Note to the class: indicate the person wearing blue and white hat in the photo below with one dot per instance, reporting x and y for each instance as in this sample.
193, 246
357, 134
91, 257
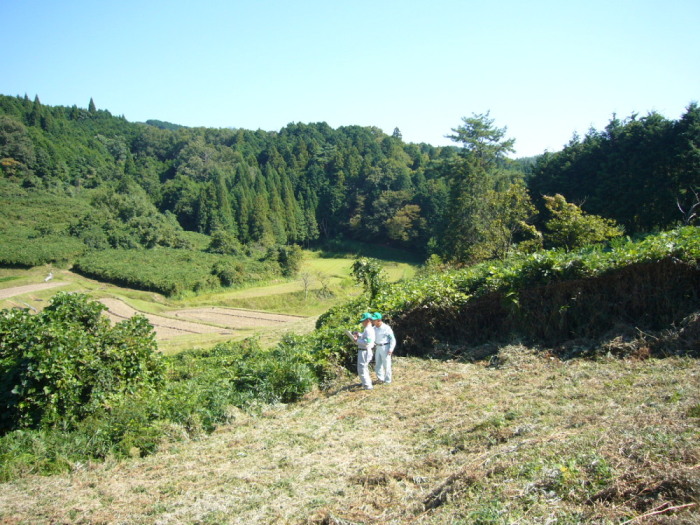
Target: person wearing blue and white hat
384, 345
365, 344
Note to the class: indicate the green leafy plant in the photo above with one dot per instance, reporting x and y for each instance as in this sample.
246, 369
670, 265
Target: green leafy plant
60, 365
368, 272
571, 228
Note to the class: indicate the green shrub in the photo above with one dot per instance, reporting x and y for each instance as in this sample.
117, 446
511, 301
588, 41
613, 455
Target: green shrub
224, 243
60, 365
197, 391
290, 259
571, 228
21, 250
229, 273
284, 373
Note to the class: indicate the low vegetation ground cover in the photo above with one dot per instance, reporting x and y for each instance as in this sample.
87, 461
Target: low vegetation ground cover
63, 229
534, 439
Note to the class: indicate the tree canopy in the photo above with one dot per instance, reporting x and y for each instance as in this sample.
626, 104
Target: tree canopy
310, 183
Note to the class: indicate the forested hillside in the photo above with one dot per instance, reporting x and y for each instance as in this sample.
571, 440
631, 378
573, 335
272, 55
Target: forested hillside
141, 185
638, 171
305, 183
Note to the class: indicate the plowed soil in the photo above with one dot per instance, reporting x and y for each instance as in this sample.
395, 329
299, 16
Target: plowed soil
164, 327
209, 320
198, 320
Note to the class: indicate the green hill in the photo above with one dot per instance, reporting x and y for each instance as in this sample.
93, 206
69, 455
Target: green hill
597, 429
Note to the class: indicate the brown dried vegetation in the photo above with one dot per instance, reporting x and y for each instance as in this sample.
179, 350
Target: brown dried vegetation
523, 438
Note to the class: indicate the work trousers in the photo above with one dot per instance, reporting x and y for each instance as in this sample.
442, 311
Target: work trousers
363, 359
382, 363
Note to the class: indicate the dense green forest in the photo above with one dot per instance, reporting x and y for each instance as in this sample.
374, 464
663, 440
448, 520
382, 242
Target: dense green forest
302, 184
155, 184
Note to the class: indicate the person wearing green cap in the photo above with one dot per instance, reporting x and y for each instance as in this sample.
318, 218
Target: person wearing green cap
365, 344
385, 344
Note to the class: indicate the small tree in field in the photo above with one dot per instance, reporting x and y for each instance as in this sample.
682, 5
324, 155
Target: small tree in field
368, 272
306, 279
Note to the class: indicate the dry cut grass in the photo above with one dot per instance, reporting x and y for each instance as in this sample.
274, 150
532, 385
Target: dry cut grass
525, 438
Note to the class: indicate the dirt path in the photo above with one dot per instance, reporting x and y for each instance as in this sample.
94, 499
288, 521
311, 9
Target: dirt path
28, 288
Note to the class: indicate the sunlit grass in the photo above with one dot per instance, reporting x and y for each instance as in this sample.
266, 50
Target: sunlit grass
533, 440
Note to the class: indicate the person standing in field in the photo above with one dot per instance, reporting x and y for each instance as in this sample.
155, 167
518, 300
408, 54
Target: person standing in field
365, 344
385, 344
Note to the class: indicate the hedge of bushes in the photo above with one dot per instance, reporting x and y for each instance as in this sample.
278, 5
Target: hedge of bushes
171, 271
545, 297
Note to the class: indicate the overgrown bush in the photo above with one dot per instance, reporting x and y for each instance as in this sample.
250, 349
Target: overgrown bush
61, 365
171, 271
290, 259
24, 252
569, 227
34, 224
107, 404
225, 243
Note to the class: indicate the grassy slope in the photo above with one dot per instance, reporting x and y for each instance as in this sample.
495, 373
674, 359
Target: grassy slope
536, 440
284, 296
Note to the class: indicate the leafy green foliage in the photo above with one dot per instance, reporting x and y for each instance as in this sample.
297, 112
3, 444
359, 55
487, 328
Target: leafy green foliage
64, 363
74, 387
172, 271
34, 224
570, 228
548, 295
23, 252
488, 206
636, 171
290, 259
307, 183
127, 219
225, 243
198, 390
368, 272
287, 187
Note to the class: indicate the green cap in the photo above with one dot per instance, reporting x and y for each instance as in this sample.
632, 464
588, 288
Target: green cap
366, 316
377, 316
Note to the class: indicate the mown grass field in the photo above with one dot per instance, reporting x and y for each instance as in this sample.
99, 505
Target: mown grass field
532, 440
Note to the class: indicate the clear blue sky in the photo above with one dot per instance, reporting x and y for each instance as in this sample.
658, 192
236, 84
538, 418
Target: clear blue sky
544, 69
